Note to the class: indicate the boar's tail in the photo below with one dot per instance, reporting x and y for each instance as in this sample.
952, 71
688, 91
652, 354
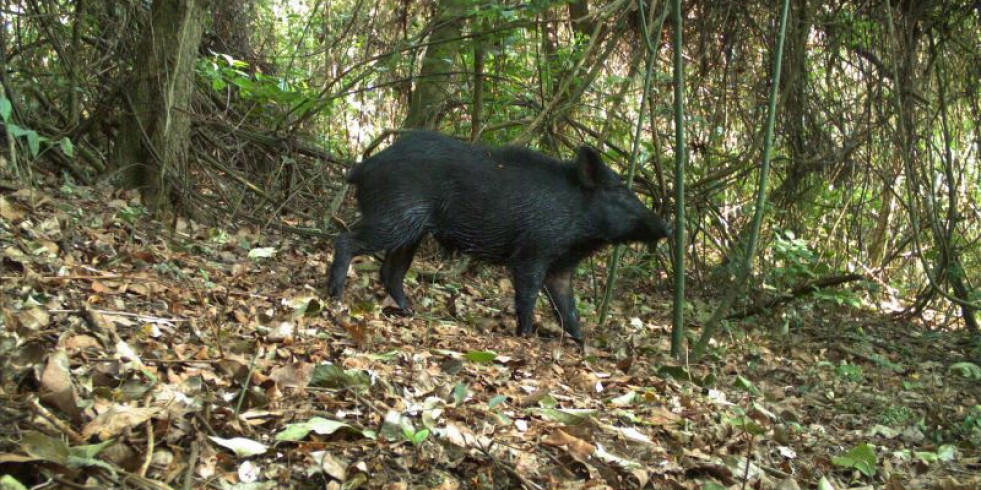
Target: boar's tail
354, 173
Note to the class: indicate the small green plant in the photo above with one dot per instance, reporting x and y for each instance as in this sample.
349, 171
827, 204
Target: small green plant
897, 415
131, 214
217, 236
169, 269
33, 139
849, 372
207, 279
971, 426
861, 458
796, 263
966, 370
416, 437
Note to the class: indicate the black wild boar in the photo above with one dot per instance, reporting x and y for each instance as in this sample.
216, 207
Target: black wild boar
537, 215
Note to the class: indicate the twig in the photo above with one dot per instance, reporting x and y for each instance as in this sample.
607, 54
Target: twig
526, 483
245, 385
46, 414
192, 461
149, 449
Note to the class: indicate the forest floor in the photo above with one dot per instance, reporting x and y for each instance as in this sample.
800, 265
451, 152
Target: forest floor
137, 356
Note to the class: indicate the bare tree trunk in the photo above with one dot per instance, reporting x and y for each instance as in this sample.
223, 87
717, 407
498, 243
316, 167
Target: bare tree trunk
430, 95
578, 11
151, 149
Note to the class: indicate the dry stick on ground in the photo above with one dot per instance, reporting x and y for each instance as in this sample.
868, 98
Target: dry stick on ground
57, 423
509, 469
802, 290
192, 462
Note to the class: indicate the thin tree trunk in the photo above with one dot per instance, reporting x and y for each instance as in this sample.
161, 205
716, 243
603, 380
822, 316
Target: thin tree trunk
476, 112
680, 157
73, 85
880, 236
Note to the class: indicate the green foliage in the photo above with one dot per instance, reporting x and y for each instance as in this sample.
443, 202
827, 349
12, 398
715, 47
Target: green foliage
334, 377
849, 372
794, 260
416, 437
460, 392
745, 423
5, 109
861, 458
30, 136
796, 263
224, 73
897, 415
966, 370
971, 426
944, 454
132, 214
481, 356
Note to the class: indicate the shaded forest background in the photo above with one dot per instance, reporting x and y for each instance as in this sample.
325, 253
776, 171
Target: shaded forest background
251, 110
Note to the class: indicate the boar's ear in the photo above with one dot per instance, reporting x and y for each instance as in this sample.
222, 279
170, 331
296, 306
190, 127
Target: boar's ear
590, 167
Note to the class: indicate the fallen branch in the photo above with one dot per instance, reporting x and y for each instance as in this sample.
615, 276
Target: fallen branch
803, 290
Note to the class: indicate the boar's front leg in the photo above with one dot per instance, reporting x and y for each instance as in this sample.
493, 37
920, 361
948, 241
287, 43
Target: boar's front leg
558, 286
528, 279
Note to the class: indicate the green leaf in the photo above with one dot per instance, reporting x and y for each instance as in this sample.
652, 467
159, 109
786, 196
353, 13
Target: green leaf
419, 437
947, 453
861, 458
624, 400
747, 424
385, 356
8, 482
41, 446
824, 484
241, 446
322, 426
966, 370
67, 147
90, 451
481, 356
459, 393
16, 131
5, 109
746, 385
497, 400
332, 376
33, 143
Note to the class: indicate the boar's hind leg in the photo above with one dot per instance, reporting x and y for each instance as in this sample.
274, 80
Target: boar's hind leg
345, 248
364, 238
558, 287
528, 280
393, 269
